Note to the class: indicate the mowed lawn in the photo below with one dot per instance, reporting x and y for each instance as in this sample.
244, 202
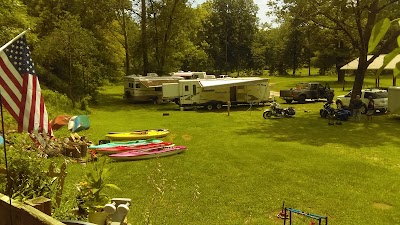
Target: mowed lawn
239, 169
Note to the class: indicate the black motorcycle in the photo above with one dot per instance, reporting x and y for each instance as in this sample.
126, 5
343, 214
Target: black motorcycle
327, 111
330, 113
277, 111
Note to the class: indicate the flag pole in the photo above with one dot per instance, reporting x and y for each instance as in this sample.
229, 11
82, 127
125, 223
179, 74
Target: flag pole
10, 42
9, 186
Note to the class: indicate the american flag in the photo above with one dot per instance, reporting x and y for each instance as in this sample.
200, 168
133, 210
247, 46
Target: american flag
20, 89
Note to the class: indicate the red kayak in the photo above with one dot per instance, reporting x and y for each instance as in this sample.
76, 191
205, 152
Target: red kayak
135, 148
160, 152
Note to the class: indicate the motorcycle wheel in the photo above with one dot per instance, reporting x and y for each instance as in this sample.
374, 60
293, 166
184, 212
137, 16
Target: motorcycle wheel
323, 113
267, 114
291, 111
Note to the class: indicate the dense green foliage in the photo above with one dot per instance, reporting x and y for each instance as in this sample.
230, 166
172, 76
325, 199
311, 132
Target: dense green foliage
80, 46
231, 48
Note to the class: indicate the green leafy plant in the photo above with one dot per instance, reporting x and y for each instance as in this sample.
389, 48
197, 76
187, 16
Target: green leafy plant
28, 178
90, 196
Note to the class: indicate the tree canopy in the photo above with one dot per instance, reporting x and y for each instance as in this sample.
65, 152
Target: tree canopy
79, 46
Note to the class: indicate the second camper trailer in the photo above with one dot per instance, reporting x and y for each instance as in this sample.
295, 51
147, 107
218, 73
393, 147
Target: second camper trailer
146, 88
214, 93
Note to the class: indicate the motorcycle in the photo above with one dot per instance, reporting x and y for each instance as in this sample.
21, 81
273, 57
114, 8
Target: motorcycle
330, 113
277, 111
327, 111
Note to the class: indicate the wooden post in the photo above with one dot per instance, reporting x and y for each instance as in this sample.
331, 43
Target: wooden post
394, 80
229, 107
60, 175
344, 82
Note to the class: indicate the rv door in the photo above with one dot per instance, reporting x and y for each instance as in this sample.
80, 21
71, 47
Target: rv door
189, 91
233, 94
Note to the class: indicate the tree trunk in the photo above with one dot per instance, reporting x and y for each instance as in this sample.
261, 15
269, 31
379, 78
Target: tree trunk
295, 57
339, 63
360, 74
144, 39
340, 74
125, 42
166, 38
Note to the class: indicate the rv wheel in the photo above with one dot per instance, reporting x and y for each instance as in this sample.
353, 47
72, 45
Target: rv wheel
209, 106
218, 106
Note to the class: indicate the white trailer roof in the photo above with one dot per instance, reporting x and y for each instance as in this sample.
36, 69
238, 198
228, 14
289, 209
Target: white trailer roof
151, 82
230, 82
375, 65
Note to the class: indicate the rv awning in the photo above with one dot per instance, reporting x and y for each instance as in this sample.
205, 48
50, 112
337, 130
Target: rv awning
157, 83
375, 65
230, 82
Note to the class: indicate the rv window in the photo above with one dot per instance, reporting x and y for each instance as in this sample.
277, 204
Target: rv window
138, 85
194, 89
130, 85
186, 88
158, 88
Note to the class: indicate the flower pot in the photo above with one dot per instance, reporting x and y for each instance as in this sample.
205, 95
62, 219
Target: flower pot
98, 217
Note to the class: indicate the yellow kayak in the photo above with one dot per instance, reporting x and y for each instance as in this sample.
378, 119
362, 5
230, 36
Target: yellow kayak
137, 135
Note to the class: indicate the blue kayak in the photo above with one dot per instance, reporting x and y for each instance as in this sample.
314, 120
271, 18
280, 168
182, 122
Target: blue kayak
78, 123
125, 143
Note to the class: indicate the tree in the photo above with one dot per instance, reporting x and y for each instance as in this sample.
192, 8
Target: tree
14, 19
230, 32
69, 56
94, 18
144, 38
294, 45
268, 49
355, 19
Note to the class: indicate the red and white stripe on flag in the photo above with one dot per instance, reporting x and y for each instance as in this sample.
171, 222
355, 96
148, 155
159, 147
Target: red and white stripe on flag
20, 89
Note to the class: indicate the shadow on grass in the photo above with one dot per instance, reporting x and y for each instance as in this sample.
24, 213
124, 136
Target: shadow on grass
237, 108
114, 102
310, 129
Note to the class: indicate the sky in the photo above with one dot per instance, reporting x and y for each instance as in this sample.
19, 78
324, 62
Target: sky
262, 9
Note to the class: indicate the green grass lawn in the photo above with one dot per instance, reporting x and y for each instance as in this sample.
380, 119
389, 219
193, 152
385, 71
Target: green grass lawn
238, 169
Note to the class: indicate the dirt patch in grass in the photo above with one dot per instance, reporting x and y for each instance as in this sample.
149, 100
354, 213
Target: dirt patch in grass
381, 205
171, 137
187, 137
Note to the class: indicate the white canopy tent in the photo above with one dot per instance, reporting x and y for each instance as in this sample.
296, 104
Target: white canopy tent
375, 65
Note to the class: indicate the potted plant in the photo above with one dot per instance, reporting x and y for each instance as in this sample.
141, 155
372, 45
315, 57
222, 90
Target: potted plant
90, 198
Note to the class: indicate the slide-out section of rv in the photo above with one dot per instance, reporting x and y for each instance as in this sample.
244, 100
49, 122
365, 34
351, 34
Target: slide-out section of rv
146, 88
394, 100
214, 93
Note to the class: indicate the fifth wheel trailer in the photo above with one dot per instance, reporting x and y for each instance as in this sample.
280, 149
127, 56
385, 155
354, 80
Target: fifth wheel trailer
213, 93
146, 88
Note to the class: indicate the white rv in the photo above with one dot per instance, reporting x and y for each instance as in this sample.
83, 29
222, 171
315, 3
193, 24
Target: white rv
394, 100
214, 93
146, 88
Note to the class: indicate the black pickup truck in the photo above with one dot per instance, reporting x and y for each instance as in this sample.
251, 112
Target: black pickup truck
304, 91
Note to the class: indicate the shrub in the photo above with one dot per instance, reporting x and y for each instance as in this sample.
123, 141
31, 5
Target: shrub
26, 170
